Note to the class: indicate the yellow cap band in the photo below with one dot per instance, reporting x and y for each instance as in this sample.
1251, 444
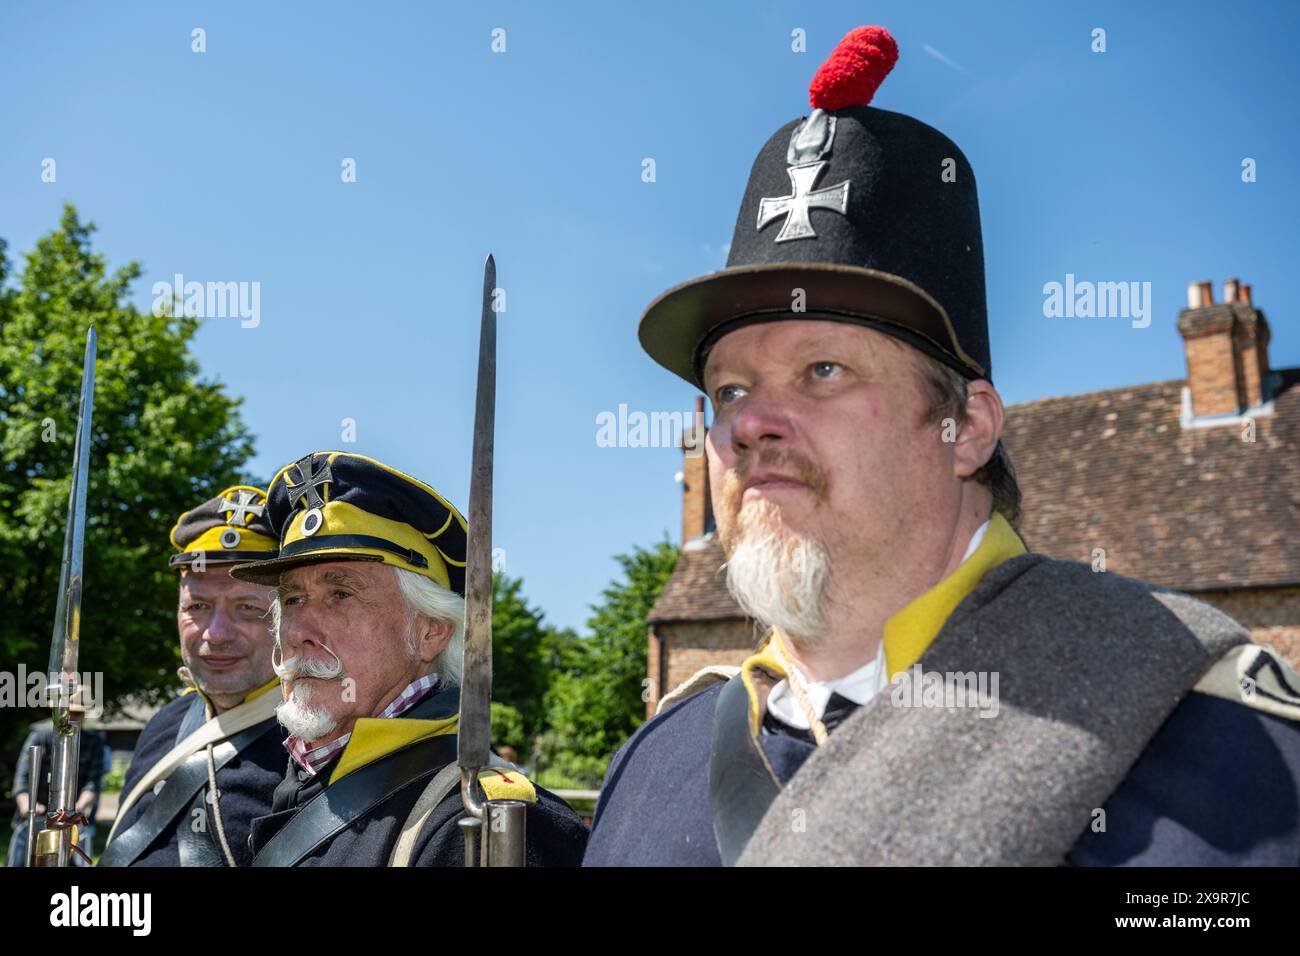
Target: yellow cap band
342, 518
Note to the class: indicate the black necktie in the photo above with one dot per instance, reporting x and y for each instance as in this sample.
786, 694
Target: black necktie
838, 709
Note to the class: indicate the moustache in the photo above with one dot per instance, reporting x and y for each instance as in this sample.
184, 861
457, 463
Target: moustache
787, 461
289, 670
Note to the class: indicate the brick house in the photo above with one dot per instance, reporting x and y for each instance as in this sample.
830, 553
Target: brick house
1191, 483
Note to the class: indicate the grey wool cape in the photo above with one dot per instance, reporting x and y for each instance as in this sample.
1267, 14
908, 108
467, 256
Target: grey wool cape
1090, 666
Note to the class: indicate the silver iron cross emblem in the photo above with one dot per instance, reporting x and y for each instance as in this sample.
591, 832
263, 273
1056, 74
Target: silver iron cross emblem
241, 508
797, 224
308, 484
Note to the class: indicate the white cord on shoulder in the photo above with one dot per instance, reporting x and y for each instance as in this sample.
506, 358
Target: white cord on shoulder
214, 796
795, 680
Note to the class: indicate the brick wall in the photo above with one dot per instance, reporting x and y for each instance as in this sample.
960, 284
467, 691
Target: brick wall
679, 650
1212, 374
697, 510
1226, 348
1272, 615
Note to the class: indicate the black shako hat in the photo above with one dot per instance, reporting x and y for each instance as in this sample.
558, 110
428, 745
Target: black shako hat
340, 506
851, 214
231, 528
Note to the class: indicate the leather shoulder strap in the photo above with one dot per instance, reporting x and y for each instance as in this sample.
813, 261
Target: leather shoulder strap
198, 846
195, 714
177, 793
224, 725
334, 808
742, 783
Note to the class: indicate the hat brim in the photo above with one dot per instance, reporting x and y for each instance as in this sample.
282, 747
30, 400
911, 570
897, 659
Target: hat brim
186, 559
268, 572
678, 323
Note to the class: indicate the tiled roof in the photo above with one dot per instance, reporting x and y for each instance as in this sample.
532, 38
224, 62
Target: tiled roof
1195, 509
697, 590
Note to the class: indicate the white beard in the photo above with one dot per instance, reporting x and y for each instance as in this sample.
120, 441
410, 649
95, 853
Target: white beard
777, 576
303, 721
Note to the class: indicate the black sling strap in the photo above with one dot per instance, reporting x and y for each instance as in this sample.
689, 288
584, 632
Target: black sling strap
182, 785
742, 784
197, 846
334, 808
195, 715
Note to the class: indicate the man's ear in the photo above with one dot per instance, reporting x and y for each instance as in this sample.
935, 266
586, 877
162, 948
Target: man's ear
435, 635
979, 436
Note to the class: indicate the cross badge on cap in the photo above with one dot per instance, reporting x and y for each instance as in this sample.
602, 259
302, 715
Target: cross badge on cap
810, 142
241, 508
798, 225
238, 510
309, 481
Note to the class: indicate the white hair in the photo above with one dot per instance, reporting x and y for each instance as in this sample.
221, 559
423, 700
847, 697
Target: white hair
421, 597
425, 597
778, 576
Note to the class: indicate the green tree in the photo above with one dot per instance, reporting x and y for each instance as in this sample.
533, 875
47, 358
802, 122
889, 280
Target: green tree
508, 729
163, 440
523, 657
597, 701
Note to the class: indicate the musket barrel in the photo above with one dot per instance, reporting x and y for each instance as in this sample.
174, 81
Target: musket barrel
36, 755
504, 833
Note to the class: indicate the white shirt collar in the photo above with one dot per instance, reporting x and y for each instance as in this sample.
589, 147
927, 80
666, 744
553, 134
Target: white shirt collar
858, 686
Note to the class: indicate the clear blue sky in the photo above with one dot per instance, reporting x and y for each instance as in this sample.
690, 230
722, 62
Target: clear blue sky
226, 166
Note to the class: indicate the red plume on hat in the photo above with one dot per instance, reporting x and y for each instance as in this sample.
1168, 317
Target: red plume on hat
854, 70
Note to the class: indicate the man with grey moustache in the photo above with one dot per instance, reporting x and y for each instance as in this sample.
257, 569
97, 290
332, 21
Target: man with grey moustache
867, 510
368, 619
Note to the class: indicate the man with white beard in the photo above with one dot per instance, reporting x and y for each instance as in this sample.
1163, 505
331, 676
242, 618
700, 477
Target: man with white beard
866, 507
368, 622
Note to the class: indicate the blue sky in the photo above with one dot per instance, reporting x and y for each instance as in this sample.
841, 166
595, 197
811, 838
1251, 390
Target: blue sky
225, 166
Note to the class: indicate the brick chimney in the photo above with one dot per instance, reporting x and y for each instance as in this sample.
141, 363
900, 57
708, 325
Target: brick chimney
1227, 350
697, 509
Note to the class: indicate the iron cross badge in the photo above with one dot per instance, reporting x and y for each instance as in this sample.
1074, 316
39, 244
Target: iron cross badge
305, 487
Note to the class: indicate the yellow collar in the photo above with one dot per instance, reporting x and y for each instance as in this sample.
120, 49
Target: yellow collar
272, 684
375, 737
908, 632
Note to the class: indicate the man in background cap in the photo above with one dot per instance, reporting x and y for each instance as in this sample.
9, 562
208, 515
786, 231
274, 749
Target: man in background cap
369, 619
928, 691
223, 726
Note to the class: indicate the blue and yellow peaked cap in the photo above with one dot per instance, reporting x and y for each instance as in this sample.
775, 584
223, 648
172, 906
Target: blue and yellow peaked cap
228, 529
338, 506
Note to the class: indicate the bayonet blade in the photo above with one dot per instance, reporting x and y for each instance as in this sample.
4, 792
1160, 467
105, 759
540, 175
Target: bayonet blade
474, 733
65, 641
